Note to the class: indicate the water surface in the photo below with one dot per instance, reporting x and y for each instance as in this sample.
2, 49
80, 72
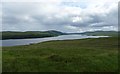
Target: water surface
16, 42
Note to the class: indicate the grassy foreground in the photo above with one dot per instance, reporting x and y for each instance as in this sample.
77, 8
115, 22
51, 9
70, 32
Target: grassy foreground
85, 55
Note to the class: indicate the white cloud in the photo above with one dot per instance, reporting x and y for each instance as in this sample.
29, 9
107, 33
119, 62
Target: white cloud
67, 16
77, 19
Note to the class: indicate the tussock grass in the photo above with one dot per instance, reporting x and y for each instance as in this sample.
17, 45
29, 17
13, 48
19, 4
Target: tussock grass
84, 55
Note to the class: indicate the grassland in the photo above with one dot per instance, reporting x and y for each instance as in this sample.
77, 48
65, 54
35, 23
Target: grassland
85, 55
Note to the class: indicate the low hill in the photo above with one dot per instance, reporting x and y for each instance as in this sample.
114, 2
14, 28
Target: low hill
50, 33
100, 33
104, 33
29, 34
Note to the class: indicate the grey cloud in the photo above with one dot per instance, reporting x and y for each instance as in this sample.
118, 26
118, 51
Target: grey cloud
14, 18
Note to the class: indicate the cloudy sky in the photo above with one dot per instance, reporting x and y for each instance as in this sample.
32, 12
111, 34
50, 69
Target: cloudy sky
61, 15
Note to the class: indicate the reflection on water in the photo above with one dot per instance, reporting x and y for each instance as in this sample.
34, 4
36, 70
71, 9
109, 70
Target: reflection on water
15, 42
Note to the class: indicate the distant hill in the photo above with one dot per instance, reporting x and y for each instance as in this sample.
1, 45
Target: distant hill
103, 33
100, 33
29, 34
55, 32
50, 33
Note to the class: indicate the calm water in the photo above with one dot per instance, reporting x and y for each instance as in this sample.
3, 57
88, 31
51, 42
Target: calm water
16, 42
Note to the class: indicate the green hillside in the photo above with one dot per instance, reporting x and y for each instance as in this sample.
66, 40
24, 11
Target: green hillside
103, 33
29, 34
51, 33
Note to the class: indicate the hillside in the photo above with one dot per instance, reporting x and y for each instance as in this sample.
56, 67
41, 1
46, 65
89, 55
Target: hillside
29, 34
51, 33
100, 33
104, 33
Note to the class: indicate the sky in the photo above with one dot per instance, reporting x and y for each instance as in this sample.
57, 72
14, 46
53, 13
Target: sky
61, 15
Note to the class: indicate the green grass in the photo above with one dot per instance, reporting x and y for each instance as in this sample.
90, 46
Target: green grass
85, 55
